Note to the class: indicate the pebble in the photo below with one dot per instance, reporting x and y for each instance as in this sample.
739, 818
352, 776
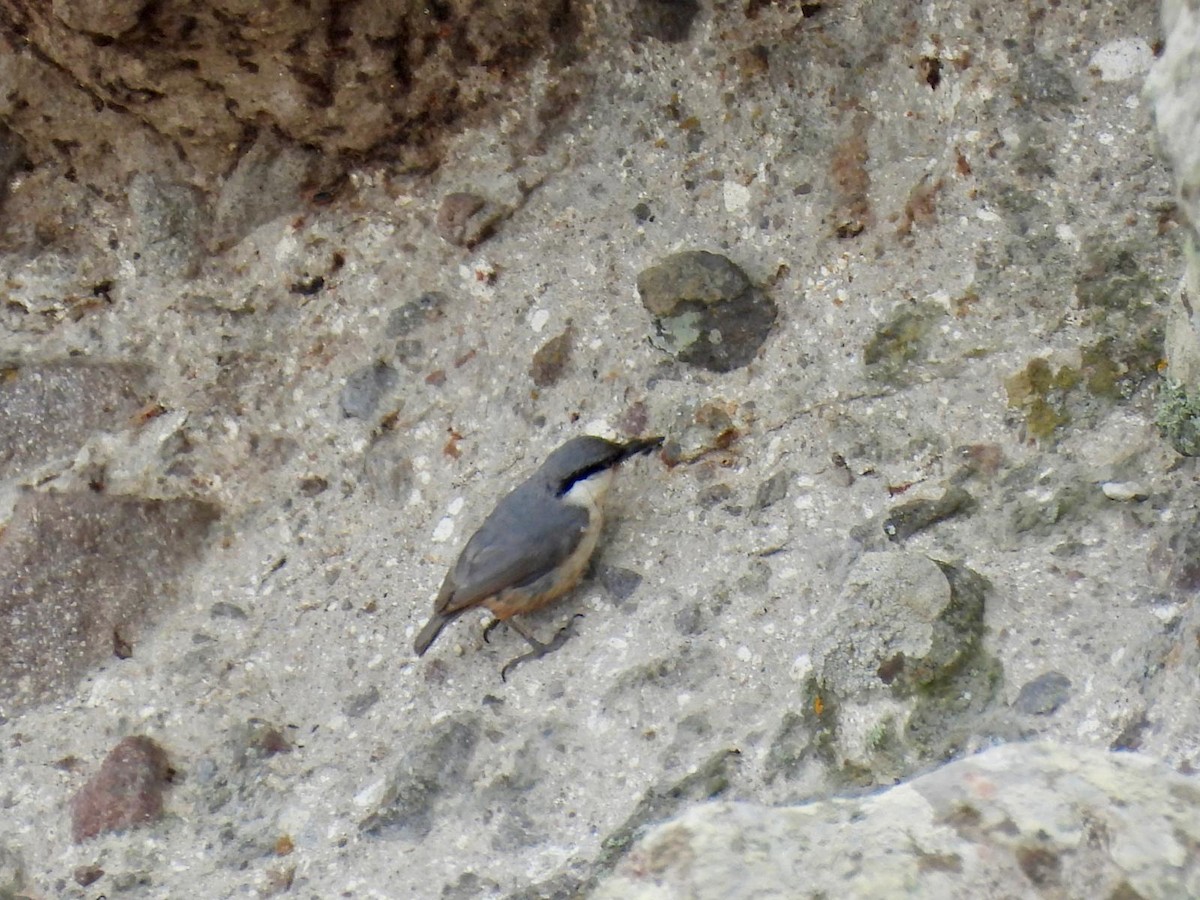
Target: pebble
707, 313
1124, 491
125, 793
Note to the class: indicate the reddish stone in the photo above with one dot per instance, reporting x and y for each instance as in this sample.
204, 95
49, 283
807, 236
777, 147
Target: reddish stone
85, 875
126, 792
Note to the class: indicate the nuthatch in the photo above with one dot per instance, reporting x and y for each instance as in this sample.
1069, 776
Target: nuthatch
535, 545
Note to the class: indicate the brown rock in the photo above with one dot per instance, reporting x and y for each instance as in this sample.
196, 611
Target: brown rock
852, 214
550, 361
204, 78
466, 219
126, 792
85, 875
107, 17
74, 569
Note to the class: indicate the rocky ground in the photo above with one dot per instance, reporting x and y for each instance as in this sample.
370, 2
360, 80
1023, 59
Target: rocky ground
899, 284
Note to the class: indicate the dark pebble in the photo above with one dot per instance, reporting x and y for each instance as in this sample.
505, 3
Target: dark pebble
707, 313
772, 490
551, 359
415, 313
365, 388
465, 219
909, 518
1044, 694
358, 704
85, 875
620, 583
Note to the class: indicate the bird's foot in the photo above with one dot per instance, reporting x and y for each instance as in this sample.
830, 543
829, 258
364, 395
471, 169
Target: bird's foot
539, 649
488, 629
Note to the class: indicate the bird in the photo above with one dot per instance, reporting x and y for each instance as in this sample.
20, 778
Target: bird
534, 547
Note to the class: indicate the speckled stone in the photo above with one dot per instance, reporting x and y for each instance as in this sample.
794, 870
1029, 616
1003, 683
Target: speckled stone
1022, 820
77, 570
707, 313
49, 409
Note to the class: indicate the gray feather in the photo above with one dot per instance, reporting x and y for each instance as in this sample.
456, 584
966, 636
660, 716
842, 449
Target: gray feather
525, 538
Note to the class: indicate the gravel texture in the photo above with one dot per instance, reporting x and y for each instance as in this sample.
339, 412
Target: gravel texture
939, 500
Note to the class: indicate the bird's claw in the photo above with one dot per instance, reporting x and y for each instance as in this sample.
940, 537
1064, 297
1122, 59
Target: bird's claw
539, 649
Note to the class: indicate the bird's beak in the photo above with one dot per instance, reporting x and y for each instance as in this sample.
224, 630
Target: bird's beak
639, 445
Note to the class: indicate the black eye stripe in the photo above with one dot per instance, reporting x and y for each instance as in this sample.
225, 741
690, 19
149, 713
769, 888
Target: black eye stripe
617, 453
575, 477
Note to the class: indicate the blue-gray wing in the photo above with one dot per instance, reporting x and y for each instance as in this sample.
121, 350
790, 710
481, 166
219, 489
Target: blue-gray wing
516, 545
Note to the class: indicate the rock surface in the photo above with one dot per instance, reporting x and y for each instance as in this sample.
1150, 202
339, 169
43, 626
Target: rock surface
948, 482
1025, 820
897, 660
48, 410
81, 576
1174, 85
203, 78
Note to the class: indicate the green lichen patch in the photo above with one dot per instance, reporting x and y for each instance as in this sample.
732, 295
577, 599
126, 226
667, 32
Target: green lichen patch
1039, 392
1110, 370
948, 711
901, 340
1112, 279
1178, 416
1116, 365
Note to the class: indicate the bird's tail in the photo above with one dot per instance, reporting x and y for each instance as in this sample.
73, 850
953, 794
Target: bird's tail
429, 633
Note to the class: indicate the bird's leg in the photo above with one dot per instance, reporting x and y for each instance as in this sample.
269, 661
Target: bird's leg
539, 649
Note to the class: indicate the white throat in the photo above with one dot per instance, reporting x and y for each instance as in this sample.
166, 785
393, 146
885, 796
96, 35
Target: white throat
589, 492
